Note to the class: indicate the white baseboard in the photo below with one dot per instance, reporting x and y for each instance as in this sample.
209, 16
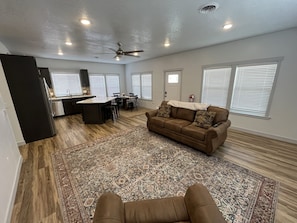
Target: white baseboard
21, 143
14, 190
280, 138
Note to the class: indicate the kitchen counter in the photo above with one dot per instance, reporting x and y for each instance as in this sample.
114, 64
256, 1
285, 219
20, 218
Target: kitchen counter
96, 100
70, 97
67, 105
94, 109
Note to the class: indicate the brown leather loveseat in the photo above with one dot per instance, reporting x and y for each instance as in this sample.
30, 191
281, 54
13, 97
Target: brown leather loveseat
181, 125
197, 206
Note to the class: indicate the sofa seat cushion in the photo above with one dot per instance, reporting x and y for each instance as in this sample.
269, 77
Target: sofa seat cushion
194, 131
159, 121
176, 124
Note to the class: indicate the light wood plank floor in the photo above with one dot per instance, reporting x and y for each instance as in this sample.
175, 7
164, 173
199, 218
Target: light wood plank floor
37, 197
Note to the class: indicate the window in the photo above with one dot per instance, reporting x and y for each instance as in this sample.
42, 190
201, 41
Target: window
97, 85
142, 85
242, 88
113, 84
173, 78
136, 84
104, 84
66, 84
216, 85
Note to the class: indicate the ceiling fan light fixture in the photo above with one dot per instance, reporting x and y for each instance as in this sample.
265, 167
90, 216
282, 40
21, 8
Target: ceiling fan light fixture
85, 22
117, 58
166, 44
208, 8
227, 26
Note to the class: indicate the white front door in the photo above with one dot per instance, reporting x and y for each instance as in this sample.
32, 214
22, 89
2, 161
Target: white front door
172, 85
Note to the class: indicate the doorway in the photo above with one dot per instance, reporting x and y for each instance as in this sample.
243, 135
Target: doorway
172, 87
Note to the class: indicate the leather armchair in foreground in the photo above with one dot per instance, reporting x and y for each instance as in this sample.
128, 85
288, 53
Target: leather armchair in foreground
196, 206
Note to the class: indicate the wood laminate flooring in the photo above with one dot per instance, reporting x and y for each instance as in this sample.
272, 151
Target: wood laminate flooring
37, 197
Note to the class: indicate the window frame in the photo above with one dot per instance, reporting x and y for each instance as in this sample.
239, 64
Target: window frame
141, 74
234, 66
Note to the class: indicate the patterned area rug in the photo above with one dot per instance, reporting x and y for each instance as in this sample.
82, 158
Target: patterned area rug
139, 164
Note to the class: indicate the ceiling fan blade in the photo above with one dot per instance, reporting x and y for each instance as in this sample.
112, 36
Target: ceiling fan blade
134, 51
131, 55
105, 53
113, 50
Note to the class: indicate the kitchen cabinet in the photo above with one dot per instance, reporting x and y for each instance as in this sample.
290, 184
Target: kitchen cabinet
70, 106
84, 78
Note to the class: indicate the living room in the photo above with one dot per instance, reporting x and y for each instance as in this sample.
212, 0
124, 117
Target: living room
281, 124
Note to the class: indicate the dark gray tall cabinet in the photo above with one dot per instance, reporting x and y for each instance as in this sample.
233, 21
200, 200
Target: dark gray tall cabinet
29, 96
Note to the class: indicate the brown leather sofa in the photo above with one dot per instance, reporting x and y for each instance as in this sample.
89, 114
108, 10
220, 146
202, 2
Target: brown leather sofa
197, 206
179, 126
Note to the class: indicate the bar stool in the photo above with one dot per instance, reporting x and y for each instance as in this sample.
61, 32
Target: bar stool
111, 112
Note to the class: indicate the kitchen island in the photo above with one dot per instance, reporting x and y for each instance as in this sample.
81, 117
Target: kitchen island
94, 109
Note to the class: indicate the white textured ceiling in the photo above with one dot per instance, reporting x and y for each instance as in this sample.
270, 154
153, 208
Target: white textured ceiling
41, 27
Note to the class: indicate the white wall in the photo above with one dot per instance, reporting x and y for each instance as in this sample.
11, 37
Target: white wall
92, 67
10, 163
4, 91
283, 120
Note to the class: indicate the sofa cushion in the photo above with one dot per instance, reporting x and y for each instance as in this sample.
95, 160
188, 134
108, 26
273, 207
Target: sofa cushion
221, 114
195, 132
176, 124
204, 119
159, 121
164, 111
183, 113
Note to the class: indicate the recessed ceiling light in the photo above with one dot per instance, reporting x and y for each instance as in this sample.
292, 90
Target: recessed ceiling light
60, 53
85, 22
68, 43
228, 26
167, 44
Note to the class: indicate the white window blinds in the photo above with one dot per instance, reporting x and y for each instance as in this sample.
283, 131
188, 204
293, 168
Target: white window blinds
113, 84
104, 84
142, 85
146, 83
216, 86
136, 84
252, 89
97, 85
66, 84
243, 88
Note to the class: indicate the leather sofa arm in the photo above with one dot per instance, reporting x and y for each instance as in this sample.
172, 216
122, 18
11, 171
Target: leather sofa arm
160, 210
151, 114
214, 132
109, 209
201, 207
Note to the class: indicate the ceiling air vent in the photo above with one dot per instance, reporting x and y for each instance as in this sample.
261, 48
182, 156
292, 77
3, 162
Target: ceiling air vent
209, 8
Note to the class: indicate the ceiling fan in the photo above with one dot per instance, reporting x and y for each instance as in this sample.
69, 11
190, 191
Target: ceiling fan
120, 52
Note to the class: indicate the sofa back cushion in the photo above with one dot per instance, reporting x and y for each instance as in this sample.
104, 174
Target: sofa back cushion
221, 114
183, 113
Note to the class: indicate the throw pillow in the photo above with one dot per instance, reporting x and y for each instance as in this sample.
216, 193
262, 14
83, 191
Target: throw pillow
204, 119
164, 111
